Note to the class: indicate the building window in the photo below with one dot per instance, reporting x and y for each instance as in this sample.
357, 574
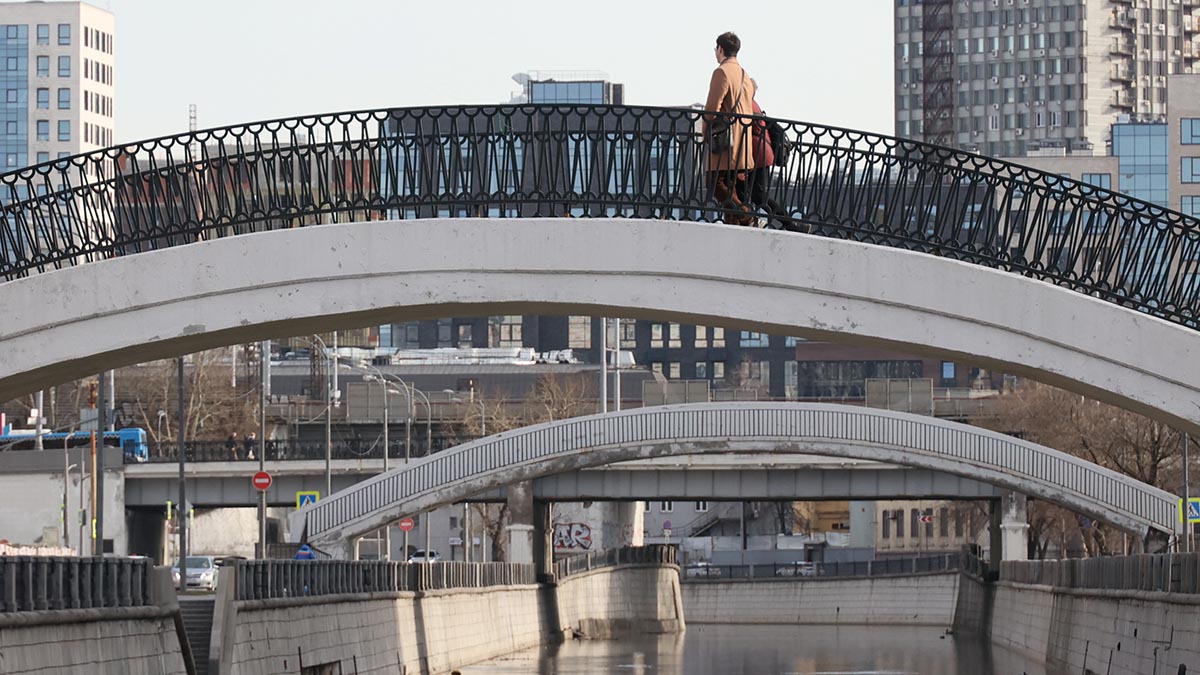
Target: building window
579, 332
645, 505
657, 367
673, 339
701, 337
928, 517
1100, 180
1190, 205
445, 332
701, 370
673, 370
718, 368
64, 33
755, 374
43, 130
628, 333
718, 338
12, 95
656, 336
914, 526
64, 99
43, 99
464, 335
64, 66
10, 159
943, 522
43, 157
506, 331
752, 339
666, 507
43, 66
947, 371
43, 34
1190, 171
885, 524
899, 516
10, 127
701, 507
406, 335
1189, 131
791, 380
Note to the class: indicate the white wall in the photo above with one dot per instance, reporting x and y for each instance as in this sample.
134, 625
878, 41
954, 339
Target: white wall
31, 504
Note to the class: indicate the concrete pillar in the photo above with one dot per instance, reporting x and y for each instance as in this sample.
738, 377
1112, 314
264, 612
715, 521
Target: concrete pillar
520, 529
1014, 526
543, 537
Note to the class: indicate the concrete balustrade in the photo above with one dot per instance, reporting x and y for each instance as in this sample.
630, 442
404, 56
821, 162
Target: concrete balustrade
30, 583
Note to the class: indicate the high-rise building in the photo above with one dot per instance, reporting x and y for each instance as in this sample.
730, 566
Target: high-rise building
58, 80
552, 86
1006, 77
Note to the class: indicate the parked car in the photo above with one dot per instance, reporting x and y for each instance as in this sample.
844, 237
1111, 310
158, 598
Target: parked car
702, 570
421, 556
797, 569
201, 572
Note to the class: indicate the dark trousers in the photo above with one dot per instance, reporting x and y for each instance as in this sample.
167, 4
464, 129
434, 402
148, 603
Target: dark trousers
756, 190
723, 189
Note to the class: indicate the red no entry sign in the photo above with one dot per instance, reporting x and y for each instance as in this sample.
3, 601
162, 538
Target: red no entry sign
406, 524
261, 481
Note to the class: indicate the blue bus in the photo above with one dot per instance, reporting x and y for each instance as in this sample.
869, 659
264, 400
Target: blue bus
132, 441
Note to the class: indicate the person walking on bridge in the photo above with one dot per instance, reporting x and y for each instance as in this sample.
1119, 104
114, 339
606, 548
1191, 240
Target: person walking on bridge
730, 91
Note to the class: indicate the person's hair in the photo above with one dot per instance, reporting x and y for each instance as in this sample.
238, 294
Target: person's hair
730, 43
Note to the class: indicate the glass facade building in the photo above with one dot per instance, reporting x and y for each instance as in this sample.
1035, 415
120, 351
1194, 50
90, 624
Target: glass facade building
14, 109
1141, 151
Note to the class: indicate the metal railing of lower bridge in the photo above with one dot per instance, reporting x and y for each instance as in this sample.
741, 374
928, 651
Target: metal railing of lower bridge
30, 583
806, 570
1163, 572
657, 554
272, 579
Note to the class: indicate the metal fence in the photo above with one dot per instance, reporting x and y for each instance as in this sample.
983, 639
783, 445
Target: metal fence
34, 583
656, 554
809, 570
595, 161
282, 450
1165, 572
270, 579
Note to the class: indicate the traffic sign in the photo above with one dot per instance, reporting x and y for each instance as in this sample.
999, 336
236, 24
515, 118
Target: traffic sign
261, 481
666, 531
926, 519
305, 498
1193, 511
406, 524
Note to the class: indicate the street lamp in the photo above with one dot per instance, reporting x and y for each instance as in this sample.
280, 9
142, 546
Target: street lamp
328, 419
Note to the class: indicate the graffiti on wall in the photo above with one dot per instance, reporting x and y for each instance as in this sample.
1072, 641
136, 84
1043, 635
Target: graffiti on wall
572, 536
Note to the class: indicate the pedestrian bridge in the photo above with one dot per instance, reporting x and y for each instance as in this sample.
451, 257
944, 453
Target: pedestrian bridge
311, 224
713, 428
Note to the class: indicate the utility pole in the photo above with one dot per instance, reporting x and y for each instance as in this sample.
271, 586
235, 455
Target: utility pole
1187, 496
101, 425
182, 511
264, 372
617, 367
603, 365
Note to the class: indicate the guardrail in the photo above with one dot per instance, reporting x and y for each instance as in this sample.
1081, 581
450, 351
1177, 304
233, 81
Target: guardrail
289, 450
271, 579
807, 570
29, 584
656, 554
1165, 572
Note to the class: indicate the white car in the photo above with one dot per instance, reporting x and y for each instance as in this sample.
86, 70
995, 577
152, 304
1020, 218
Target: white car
201, 572
702, 570
797, 569
421, 556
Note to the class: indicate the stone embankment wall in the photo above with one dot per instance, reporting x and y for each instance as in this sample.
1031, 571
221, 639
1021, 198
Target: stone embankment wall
1098, 631
914, 600
105, 640
436, 631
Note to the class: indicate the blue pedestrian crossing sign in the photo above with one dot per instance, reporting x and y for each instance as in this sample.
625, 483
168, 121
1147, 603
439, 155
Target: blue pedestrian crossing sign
1193, 511
305, 498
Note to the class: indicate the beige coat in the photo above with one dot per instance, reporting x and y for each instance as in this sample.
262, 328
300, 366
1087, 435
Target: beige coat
723, 90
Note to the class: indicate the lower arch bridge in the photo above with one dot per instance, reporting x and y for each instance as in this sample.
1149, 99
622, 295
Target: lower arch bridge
773, 428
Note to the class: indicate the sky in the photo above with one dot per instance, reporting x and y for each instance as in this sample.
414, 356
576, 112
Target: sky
826, 61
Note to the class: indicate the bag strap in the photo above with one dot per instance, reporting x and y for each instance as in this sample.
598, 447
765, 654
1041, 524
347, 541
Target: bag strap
741, 90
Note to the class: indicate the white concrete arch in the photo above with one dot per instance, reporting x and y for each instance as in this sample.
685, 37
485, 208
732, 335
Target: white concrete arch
719, 428
77, 321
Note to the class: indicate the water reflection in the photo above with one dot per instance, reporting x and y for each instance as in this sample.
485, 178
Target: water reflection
770, 650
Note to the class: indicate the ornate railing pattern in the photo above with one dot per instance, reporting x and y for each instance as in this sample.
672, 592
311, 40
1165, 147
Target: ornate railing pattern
592, 161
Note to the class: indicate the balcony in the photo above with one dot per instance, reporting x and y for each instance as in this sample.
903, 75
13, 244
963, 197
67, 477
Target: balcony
1121, 74
1121, 22
1121, 47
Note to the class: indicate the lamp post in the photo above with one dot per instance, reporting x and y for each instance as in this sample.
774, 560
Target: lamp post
328, 421
378, 377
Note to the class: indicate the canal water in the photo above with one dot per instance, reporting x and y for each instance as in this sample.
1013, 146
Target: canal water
770, 650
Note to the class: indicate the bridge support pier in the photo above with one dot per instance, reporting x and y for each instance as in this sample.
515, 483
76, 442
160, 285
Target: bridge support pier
529, 527
1014, 526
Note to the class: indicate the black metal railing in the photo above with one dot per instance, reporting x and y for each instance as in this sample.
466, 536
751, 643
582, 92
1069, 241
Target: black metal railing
808, 570
596, 161
281, 450
1164, 572
655, 554
270, 579
30, 583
